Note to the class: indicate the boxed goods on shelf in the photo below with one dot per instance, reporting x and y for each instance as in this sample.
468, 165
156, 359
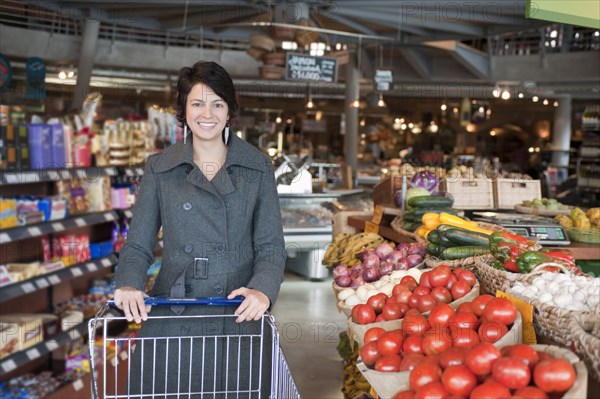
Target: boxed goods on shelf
8, 213
474, 193
511, 192
27, 328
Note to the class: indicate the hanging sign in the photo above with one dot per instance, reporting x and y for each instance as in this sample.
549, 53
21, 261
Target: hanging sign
384, 80
310, 68
35, 69
5, 71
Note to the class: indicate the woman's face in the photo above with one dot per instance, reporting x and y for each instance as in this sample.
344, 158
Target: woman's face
206, 113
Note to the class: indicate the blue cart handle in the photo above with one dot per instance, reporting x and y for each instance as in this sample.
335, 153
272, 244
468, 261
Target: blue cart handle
205, 301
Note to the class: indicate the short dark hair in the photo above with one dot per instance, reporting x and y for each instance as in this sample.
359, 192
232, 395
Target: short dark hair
211, 74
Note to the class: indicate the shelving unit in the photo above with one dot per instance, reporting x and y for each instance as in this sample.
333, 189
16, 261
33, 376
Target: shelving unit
52, 175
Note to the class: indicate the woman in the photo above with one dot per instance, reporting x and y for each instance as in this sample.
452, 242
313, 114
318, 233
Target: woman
215, 197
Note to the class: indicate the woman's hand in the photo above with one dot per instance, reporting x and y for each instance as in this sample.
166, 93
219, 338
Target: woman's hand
255, 304
131, 301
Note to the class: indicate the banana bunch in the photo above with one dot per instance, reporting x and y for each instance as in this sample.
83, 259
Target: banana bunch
345, 247
355, 383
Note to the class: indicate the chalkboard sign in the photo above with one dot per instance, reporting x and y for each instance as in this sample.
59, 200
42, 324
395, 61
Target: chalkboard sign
310, 68
384, 79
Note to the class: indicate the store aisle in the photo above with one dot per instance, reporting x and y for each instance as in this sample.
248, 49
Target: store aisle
309, 325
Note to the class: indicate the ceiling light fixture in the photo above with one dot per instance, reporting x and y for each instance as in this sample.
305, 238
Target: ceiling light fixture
381, 103
505, 95
535, 99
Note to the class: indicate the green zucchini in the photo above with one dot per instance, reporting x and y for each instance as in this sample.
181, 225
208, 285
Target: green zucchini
463, 252
429, 201
433, 237
411, 218
432, 249
465, 237
410, 226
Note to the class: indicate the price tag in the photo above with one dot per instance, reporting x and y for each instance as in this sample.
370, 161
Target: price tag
4, 238
32, 353
109, 216
30, 177
106, 262
526, 311
76, 272
123, 355
65, 174
58, 226
78, 385
41, 283
140, 172
9, 365
81, 173
128, 214
74, 334
371, 227
52, 345
34, 231
28, 287
80, 222
114, 361
111, 171
91, 267
54, 279
52, 175
11, 178
377, 214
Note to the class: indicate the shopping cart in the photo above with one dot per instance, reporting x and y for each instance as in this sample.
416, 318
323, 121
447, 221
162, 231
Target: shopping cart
189, 365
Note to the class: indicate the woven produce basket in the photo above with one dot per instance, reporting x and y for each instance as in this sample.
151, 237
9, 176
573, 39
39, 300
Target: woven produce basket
492, 279
276, 58
271, 72
306, 37
262, 42
588, 236
397, 227
255, 53
586, 339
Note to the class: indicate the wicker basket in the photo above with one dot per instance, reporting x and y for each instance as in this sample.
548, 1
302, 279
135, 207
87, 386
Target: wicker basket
397, 226
586, 339
262, 42
255, 53
282, 33
588, 236
306, 37
492, 279
273, 72
276, 58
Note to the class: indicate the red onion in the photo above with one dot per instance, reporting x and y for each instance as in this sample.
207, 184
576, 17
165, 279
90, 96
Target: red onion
343, 281
386, 268
357, 282
414, 260
364, 253
395, 256
356, 271
401, 265
341, 270
371, 260
417, 249
384, 250
370, 274
402, 245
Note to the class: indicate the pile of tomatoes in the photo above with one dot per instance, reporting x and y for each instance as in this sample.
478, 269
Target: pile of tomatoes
485, 372
424, 339
438, 286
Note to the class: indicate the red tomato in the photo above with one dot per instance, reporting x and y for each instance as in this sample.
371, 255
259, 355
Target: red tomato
410, 282
413, 301
459, 380
465, 307
442, 294
490, 390
411, 360
460, 289
454, 356
369, 354
433, 390
392, 311
403, 296
413, 344
364, 314
521, 351
391, 299
399, 288
441, 315
413, 312
468, 277
451, 281
426, 303
512, 373
479, 303
416, 325
554, 375
457, 271
530, 393
500, 309
377, 301
435, 359
439, 276
421, 290
424, 280
481, 357
464, 320
464, 337
390, 343
379, 318
423, 374
388, 363
436, 341
491, 331
372, 334
544, 356
405, 395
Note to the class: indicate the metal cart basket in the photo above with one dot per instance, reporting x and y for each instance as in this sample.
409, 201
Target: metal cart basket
199, 362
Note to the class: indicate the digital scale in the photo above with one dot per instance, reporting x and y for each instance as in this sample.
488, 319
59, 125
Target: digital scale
535, 228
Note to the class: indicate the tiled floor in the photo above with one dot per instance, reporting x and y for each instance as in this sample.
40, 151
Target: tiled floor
309, 327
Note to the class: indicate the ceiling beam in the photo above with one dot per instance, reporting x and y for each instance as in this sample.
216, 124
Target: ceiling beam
208, 18
419, 62
352, 24
474, 60
388, 20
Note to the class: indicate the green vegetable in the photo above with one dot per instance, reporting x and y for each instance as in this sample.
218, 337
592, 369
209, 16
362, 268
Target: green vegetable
432, 249
465, 237
463, 252
410, 226
434, 237
430, 202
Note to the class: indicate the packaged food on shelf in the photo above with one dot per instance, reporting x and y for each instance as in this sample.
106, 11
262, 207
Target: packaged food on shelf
29, 386
75, 190
27, 328
28, 211
101, 249
9, 342
70, 318
23, 271
8, 213
99, 194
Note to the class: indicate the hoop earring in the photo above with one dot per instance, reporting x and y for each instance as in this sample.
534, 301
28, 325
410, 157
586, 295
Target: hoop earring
184, 133
226, 134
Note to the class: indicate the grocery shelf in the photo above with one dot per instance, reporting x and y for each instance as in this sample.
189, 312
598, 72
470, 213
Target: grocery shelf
133, 171
57, 226
50, 175
59, 276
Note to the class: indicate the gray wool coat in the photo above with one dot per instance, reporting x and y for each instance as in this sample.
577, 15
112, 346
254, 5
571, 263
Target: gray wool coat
219, 235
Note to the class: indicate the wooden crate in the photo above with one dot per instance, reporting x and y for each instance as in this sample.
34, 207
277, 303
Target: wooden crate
471, 193
384, 191
511, 192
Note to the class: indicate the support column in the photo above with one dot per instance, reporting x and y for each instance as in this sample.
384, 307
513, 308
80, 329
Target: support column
87, 53
351, 114
561, 136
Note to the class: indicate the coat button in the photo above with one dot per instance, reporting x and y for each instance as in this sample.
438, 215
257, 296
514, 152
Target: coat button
229, 170
220, 248
187, 206
227, 206
185, 329
188, 249
219, 289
